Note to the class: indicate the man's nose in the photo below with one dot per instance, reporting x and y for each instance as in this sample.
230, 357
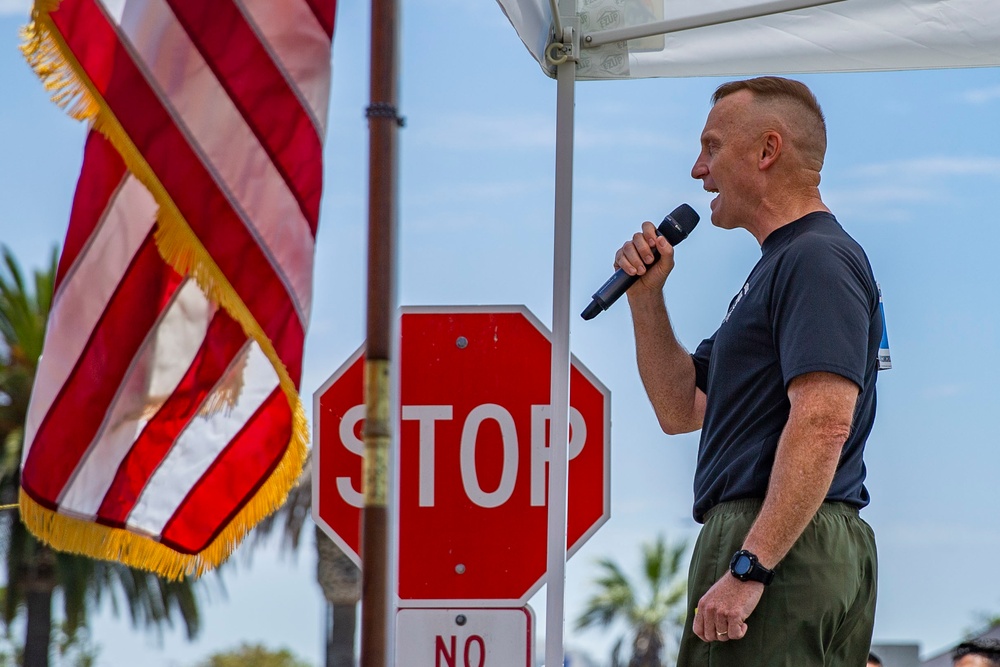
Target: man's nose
699, 170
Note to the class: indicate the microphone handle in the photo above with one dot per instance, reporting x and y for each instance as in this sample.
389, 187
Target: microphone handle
619, 283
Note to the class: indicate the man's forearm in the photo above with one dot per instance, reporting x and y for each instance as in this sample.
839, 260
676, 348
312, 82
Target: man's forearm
665, 367
803, 470
804, 465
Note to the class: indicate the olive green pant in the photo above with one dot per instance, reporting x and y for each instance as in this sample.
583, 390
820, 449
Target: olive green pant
818, 612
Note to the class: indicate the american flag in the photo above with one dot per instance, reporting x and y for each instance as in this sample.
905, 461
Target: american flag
165, 419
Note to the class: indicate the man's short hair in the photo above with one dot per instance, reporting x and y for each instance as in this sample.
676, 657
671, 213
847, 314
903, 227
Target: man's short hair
874, 660
778, 89
986, 648
771, 88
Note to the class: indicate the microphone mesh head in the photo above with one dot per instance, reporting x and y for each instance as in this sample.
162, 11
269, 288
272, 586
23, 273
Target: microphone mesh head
676, 226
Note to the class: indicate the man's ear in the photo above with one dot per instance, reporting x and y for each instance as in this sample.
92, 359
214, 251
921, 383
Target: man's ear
770, 149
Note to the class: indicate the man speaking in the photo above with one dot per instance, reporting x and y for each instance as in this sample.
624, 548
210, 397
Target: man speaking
784, 569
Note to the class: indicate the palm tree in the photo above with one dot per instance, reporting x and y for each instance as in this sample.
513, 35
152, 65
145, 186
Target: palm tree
35, 571
340, 580
651, 615
338, 576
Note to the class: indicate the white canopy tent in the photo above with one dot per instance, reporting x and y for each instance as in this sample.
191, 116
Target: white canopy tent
743, 37
575, 40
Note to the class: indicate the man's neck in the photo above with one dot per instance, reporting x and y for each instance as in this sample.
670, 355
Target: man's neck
774, 216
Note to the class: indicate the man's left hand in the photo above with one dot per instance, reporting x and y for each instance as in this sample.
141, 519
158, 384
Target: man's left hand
722, 611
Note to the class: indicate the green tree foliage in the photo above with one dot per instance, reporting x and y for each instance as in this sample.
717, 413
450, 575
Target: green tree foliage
253, 655
985, 621
33, 570
652, 612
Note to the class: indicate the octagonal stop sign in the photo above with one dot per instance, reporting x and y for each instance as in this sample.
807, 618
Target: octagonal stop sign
474, 445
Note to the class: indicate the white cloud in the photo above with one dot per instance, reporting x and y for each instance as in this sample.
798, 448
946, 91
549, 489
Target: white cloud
14, 7
981, 95
881, 192
888, 190
478, 132
933, 166
527, 131
618, 136
492, 191
942, 391
881, 203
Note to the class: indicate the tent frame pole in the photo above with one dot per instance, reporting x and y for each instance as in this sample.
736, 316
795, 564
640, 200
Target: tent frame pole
557, 26
601, 37
561, 358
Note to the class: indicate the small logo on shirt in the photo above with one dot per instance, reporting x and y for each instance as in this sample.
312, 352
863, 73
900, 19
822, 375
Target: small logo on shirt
739, 297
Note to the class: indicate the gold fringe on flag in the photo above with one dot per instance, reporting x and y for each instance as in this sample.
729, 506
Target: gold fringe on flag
75, 535
72, 90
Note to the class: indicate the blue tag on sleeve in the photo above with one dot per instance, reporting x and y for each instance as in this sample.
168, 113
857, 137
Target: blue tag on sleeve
884, 360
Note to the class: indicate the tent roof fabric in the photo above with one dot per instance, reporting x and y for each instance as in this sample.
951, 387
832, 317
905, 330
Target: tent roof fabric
839, 36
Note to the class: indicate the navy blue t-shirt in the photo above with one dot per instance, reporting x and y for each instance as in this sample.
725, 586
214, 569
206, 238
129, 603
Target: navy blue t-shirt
810, 304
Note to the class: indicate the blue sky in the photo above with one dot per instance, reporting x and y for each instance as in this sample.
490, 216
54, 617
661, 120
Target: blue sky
913, 172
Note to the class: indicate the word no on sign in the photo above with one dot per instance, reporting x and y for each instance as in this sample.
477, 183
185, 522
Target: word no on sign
464, 637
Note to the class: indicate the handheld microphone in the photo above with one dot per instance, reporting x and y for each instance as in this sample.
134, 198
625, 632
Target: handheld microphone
675, 228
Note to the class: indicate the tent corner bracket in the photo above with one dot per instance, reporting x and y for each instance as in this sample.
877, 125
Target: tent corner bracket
568, 48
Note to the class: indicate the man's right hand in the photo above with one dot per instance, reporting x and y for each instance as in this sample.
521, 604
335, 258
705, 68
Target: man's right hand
635, 255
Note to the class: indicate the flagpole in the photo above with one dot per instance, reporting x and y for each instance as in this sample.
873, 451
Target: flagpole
383, 125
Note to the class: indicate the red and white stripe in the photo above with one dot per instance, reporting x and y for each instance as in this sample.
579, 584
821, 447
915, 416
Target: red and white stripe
153, 410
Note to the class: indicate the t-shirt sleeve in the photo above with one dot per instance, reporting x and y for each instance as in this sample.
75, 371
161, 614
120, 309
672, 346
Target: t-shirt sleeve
701, 357
821, 304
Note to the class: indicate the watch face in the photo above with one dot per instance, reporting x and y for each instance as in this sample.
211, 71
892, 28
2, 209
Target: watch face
742, 565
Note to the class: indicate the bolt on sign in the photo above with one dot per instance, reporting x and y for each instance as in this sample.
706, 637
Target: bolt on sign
474, 444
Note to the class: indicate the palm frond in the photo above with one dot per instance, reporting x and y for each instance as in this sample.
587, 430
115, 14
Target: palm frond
612, 574
653, 565
22, 313
45, 283
616, 653
291, 517
615, 597
676, 558
650, 612
74, 573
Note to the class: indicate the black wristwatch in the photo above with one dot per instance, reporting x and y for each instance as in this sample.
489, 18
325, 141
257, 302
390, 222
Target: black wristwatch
745, 567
